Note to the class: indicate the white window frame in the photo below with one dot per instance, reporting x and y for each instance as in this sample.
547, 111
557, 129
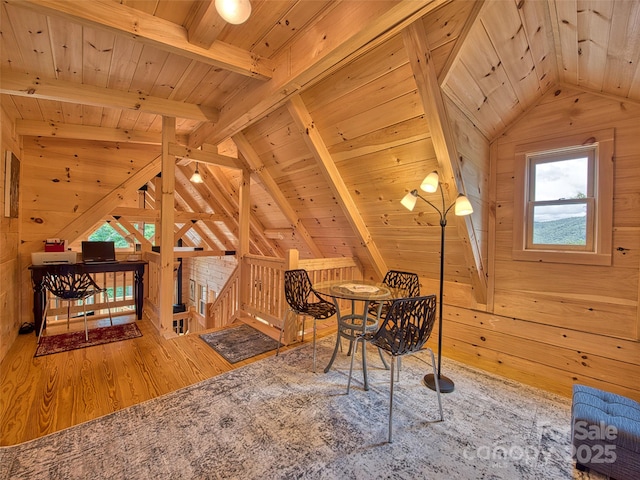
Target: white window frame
599, 201
202, 299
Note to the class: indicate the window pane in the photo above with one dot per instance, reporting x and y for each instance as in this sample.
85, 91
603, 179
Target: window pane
560, 224
106, 233
562, 179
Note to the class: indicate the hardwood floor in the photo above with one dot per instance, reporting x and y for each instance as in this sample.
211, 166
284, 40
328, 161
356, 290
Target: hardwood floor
46, 394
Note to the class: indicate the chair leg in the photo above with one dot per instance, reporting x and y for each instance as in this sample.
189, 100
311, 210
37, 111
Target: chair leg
314, 344
106, 296
86, 329
384, 361
44, 319
393, 364
435, 378
284, 321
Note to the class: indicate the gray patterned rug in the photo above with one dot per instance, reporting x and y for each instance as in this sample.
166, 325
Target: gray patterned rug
239, 343
274, 419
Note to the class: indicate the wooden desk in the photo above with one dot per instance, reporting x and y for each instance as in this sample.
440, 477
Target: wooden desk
38, 272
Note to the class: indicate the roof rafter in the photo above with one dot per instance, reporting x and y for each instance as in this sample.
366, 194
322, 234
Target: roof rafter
258, 168
415, 40
317, 146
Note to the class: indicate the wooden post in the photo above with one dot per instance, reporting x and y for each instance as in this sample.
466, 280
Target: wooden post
166, 225
290, 333
244, 212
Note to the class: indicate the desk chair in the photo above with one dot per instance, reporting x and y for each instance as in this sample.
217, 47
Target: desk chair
405, 330
410, 282
297, 290
72, 287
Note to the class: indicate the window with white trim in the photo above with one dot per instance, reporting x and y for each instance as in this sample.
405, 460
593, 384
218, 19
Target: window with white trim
564, 206
202, 300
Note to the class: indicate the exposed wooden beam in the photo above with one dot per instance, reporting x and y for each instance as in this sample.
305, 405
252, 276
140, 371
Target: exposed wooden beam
32, 86
415, 40
204, 24
151, 30
315, 143
258, 168
37, 128
198, 253
150, 215
204, 156
349, 31
184, 229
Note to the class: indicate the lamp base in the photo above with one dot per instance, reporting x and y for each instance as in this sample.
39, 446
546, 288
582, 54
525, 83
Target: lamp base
446, 385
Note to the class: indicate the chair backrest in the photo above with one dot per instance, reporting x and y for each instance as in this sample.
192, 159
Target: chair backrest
404, 280
297, 288
407, 326
70, 285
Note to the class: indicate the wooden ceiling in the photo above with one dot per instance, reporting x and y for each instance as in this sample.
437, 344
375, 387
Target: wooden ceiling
325, 101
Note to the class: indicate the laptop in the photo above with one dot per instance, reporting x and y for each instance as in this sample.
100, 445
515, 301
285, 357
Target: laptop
98, 252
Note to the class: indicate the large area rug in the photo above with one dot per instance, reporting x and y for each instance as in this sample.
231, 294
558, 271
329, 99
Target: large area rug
97, 336
239, 343
274, 419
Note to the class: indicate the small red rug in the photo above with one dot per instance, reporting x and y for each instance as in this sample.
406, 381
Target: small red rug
97, 336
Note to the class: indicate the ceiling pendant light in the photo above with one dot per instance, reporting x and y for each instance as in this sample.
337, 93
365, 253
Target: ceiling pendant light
234, 11
196, 177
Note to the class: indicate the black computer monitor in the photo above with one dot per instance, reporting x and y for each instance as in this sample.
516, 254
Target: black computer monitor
93, 252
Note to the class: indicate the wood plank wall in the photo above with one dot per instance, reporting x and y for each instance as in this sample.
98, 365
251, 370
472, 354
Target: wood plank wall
553, 325
9, 242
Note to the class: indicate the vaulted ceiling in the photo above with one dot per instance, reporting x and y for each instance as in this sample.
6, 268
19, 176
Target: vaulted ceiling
338, 108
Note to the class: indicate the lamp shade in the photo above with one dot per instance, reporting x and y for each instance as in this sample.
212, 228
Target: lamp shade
196, 177
234, 11
409, 200
430, 183
463, 206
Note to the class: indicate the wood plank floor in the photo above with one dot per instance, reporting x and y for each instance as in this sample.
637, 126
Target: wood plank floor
42, 395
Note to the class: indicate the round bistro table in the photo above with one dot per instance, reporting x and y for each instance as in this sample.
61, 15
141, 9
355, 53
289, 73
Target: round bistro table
352, 324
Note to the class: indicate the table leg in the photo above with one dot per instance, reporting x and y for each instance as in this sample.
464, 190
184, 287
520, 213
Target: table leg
335, 350
38, 301
139, 290
365, 315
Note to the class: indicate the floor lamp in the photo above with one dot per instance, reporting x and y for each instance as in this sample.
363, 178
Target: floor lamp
461, 207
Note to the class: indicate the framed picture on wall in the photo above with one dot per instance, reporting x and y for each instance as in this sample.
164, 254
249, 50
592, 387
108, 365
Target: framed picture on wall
11, 184
192, 290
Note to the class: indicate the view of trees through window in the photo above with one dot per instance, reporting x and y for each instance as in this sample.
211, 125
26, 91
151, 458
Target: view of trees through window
559, 197
106, 233
566, 231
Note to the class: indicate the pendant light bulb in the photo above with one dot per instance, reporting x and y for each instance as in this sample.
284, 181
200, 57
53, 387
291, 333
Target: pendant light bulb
234, 11
196, 177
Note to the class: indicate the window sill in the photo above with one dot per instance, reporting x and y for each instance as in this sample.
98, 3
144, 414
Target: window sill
556, 256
